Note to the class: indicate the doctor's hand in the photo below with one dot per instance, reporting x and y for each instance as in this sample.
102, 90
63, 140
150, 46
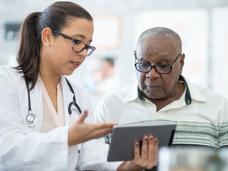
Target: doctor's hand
145, 157
81, 131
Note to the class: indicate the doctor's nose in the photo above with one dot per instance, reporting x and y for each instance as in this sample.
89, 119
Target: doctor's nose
82, 54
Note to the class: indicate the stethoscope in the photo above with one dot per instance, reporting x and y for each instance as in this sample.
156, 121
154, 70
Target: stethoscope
31, 117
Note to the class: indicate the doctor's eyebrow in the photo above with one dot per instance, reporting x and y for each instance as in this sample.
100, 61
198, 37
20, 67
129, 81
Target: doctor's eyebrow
81, 36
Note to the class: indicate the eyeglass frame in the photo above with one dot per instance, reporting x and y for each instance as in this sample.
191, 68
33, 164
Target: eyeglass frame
86, 46
154, 66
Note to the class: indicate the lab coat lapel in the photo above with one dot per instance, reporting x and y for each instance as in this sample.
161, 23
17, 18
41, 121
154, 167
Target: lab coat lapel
67, 98
36, 105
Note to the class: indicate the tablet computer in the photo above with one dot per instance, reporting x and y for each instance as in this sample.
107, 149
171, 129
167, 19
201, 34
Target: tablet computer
123, 139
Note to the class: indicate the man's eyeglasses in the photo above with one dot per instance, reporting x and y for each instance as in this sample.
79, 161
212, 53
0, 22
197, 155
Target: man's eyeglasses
78, 45
145, 66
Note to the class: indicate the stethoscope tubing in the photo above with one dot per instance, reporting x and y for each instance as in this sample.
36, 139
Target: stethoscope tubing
31, 117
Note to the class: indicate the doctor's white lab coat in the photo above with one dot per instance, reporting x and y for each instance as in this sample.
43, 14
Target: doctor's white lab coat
27, 149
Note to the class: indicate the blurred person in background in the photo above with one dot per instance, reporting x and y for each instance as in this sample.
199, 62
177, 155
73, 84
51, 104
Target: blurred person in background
104, 76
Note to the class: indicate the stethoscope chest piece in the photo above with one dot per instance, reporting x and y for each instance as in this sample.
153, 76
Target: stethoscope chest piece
31, 119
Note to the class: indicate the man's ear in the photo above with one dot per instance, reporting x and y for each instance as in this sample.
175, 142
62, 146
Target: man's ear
182, 59
46, 37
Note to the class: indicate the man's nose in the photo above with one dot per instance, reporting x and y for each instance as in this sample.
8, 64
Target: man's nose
153, 74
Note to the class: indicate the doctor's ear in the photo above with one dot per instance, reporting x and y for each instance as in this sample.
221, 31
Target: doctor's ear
46, 37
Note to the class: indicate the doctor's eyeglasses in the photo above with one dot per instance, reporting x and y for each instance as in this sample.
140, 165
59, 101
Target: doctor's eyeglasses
145, 66
78, 45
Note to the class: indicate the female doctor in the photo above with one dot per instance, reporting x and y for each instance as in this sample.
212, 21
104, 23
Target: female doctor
42, 114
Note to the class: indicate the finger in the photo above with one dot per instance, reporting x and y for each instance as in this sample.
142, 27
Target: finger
136, 150
104, 125
153, 152
100, 126
144, 149
156, 151
101, 133
82, 116
151, 149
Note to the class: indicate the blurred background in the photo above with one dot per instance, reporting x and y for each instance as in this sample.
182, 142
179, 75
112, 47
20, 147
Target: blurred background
192, 159
202, 25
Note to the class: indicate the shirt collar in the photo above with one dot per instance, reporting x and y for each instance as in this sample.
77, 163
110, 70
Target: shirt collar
130, 93
196, 92
192, 93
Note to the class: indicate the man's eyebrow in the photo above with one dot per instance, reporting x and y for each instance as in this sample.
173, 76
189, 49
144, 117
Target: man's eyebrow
165, 57
161, 59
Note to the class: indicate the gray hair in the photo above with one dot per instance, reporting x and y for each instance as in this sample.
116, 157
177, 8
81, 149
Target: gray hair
162, 31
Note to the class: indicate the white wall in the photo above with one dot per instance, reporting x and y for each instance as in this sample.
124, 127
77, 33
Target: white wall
202, 25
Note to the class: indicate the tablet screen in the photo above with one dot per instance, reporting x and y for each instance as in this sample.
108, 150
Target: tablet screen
124, 137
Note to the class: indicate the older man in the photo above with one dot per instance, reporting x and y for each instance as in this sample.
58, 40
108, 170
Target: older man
162, 94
